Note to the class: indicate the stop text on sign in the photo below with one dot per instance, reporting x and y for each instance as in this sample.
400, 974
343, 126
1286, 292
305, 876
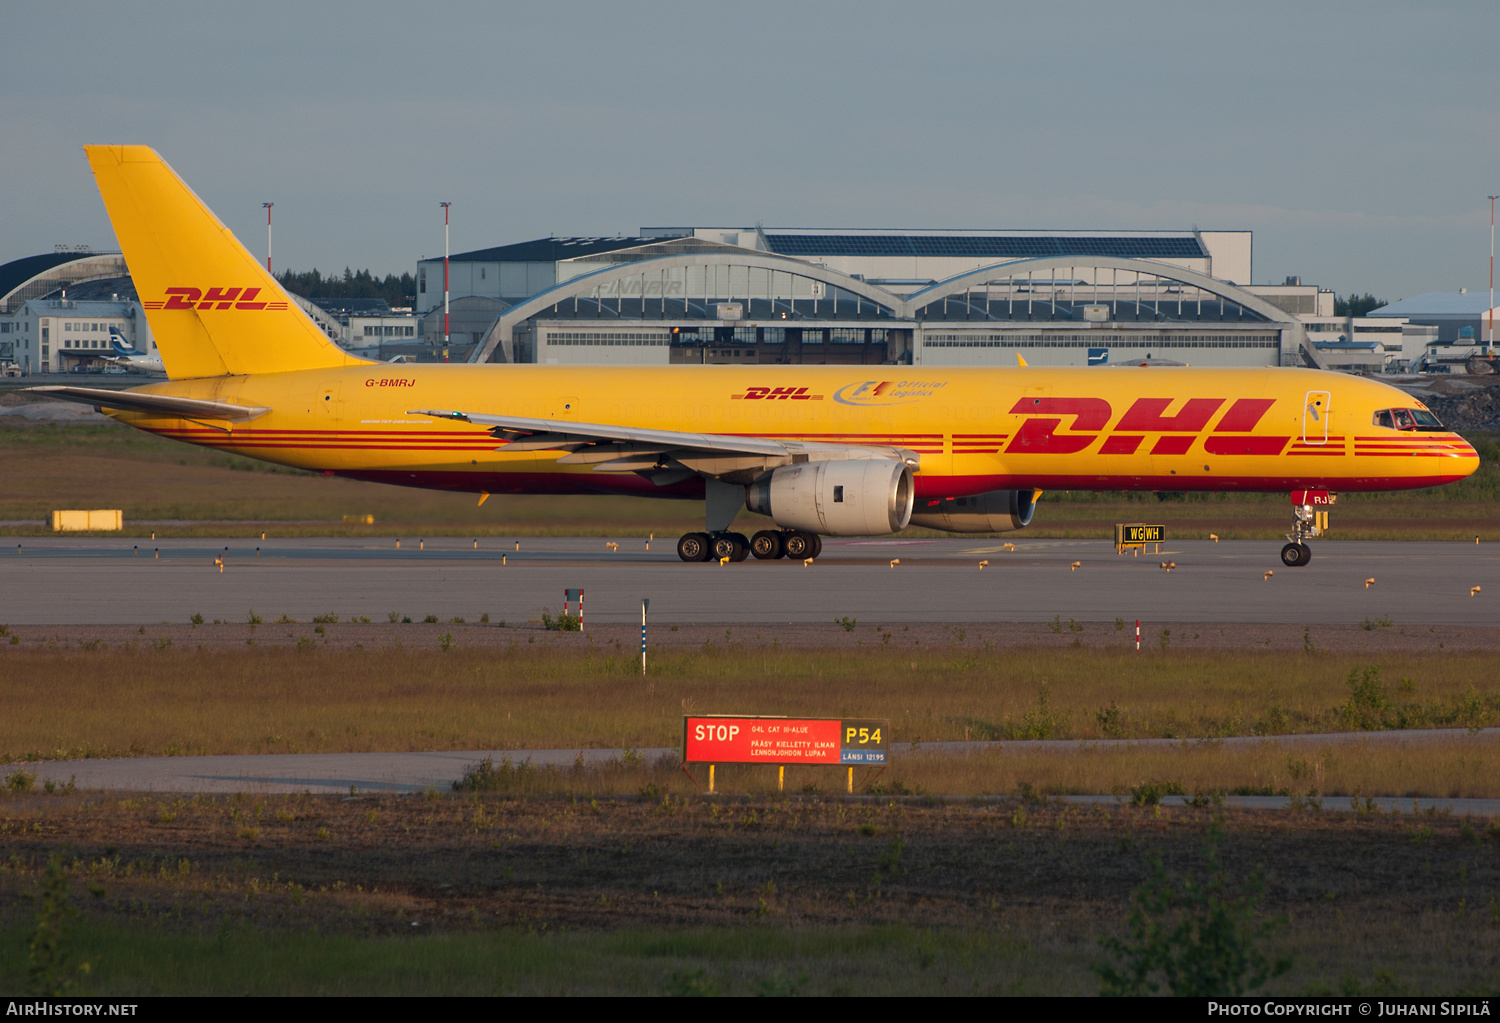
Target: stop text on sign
777, 740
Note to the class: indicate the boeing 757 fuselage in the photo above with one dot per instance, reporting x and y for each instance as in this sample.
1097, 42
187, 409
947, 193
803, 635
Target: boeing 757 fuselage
819, 450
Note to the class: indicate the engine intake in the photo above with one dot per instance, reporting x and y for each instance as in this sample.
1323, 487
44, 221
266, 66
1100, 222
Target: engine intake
845, 498
999, 511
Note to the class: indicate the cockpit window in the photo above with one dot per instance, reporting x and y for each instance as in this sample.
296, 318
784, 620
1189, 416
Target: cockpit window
1416, 419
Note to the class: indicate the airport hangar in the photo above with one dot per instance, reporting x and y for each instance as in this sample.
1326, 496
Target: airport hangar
934, 298
57, 308
767, 296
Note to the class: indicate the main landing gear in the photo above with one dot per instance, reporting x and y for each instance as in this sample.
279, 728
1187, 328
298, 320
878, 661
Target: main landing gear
766, 545
706, 546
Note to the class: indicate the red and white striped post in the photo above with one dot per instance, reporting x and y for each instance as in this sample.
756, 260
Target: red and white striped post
568, 595
445, 206
1490, 341
1137, 635
268, 206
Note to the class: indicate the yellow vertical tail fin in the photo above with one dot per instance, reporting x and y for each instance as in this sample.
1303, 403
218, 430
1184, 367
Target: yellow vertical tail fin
213, 309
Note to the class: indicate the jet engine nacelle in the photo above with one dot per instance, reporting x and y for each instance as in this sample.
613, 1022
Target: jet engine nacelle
999, 511
846, 498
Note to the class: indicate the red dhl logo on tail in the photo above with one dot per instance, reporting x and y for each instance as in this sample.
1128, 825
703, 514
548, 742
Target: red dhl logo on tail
1230, 436
776, 394
215, 298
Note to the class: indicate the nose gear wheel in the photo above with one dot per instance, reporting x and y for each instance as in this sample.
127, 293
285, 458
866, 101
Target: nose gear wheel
1295, 555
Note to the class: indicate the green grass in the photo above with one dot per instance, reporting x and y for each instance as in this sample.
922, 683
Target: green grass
148, 960
482, 895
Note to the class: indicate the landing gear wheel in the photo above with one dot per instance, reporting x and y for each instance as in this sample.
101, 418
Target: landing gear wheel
801, 545
1295, 555
768, 544
728, 545
693, 547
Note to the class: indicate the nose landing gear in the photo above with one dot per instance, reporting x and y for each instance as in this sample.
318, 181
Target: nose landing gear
1306, 523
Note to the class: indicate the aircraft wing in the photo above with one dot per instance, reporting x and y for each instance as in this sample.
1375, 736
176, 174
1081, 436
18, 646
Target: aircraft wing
663, 455
161, 404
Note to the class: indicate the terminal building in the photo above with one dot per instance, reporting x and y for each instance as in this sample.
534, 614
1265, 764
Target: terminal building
56, 311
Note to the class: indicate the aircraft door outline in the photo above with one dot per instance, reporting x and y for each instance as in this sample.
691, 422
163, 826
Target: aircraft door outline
1315, 411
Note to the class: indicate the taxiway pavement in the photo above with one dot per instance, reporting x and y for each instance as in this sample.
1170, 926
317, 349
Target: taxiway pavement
130, 582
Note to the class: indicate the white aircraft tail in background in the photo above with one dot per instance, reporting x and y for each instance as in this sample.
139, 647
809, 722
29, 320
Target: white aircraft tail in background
126, 355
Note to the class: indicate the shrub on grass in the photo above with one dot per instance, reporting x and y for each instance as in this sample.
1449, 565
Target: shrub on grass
49, 961
1149, 793
1367, 703
1196, 937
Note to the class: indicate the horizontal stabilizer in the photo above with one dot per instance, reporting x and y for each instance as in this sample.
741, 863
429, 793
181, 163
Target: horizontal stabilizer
162, 404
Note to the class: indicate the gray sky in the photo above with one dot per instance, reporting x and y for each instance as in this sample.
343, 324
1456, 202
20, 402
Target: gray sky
1357, 140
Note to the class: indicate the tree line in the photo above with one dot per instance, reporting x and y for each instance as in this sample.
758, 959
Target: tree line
1356, 305
397, 291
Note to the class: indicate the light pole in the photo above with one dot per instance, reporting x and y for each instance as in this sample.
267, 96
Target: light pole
445, 206
268, 206
1489, 347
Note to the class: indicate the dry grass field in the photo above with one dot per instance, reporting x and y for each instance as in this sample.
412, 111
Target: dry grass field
200, 492
151, 699
657, 894
623, 879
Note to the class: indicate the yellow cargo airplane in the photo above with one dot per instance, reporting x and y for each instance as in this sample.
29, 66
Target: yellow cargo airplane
816, 449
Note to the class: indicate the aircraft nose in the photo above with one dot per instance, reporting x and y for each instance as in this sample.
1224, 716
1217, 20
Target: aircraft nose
1462, 449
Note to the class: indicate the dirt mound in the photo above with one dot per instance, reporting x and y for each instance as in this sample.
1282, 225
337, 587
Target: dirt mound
1473, 411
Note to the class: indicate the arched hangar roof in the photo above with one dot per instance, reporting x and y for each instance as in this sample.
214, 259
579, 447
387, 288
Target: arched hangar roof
34, 276
999, 271
896, 306
586, 283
